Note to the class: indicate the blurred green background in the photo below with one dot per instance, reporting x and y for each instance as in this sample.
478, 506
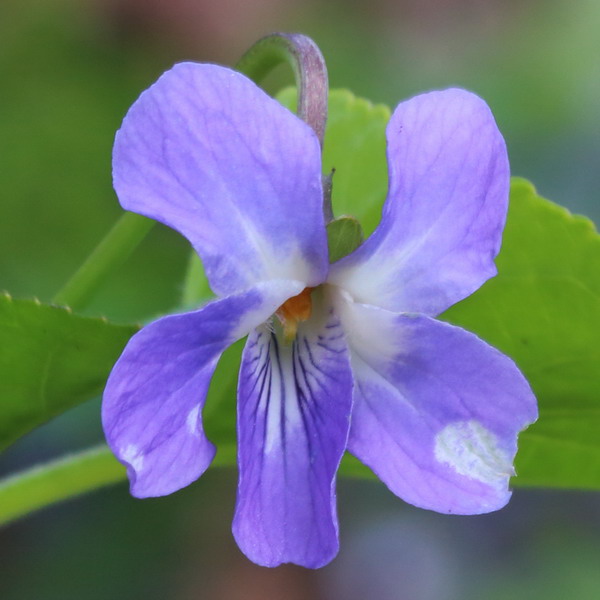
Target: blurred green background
69, 71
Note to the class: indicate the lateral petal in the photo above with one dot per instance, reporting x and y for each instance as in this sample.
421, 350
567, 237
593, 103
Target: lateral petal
207, 152
443, 218
151, 410
436, 410
294, 404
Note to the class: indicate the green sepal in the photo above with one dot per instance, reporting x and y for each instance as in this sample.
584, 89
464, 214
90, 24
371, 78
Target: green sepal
344, 235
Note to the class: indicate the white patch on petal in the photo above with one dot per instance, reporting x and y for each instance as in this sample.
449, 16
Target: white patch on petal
474, 451
293, 266
192, 420
273, 432
134, 457
369, 330
282, 398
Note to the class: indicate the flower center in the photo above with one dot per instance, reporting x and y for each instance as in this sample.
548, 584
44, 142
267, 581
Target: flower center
293, 311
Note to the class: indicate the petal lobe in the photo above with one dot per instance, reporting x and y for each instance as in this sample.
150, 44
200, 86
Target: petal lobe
294, 402
436, 410
207, 152
443, 218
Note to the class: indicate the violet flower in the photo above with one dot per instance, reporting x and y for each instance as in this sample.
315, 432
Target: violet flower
338, 357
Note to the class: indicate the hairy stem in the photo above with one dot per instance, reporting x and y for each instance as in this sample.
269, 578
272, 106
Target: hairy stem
111, 252
309, 67
68, 477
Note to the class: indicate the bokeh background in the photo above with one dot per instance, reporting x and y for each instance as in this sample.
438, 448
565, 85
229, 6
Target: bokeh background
69, 69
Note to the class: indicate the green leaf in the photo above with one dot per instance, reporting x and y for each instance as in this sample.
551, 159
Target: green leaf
344, 235
50, 361
543, 310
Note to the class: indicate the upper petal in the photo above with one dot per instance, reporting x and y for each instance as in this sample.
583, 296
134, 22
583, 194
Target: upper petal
151, 410
443, 218
436, 410
294, 404
207, 152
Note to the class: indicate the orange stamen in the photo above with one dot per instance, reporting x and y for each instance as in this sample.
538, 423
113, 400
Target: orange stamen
293, 311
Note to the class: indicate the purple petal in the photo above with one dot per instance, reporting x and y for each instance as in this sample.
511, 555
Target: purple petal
294, 403
443, 219
436, 410
152, 403
207, 152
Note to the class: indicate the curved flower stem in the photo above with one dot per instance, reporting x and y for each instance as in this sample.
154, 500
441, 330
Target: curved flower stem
309, 68
68, 477
113, 250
